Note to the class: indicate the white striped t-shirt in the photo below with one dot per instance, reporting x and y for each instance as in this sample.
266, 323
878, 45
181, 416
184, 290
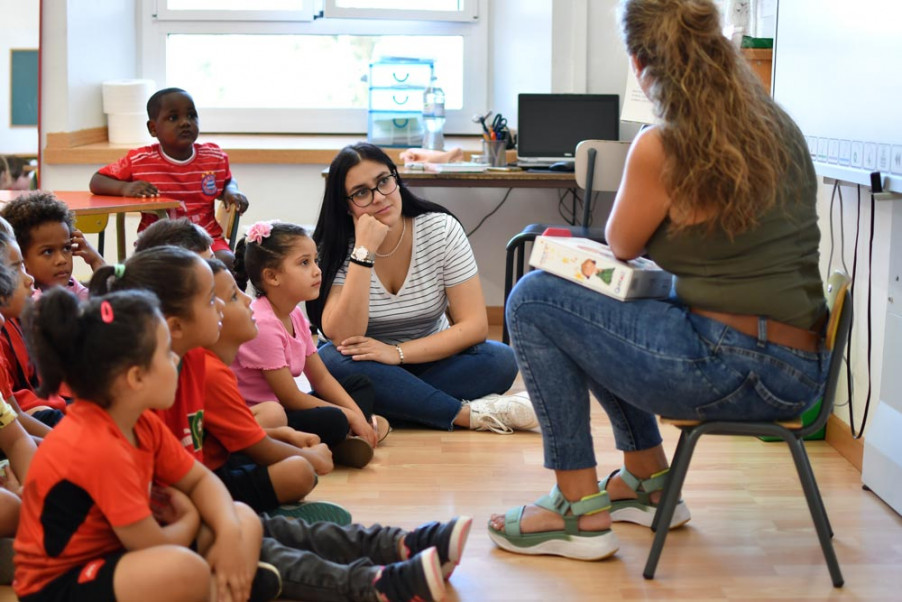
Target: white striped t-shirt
442, 258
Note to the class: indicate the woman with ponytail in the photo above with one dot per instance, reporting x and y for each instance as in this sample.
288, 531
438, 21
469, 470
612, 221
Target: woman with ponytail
721, 193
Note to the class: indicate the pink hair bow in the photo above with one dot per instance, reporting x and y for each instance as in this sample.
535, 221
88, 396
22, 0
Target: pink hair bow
257, 232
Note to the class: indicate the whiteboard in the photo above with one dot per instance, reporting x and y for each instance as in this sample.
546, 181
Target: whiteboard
838, 72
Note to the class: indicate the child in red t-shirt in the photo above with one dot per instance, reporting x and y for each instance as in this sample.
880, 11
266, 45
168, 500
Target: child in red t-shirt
16, 362
90, 528
176, 167
183, 282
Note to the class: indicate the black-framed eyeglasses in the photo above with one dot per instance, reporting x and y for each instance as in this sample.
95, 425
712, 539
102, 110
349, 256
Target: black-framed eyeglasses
364, 196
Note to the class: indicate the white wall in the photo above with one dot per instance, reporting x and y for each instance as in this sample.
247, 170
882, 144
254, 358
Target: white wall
18, 30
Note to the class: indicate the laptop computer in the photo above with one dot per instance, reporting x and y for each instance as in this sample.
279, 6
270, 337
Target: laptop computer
551, 125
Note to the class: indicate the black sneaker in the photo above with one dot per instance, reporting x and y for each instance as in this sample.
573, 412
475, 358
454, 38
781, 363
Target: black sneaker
448, 538
416, 580
267, 583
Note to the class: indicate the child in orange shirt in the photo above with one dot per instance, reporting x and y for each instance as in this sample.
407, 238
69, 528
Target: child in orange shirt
90, 527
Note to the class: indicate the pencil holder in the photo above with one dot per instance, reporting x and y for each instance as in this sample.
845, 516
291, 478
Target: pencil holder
496, 152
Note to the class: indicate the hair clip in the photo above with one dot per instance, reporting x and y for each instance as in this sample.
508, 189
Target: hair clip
106, 312
119, 270
260, 230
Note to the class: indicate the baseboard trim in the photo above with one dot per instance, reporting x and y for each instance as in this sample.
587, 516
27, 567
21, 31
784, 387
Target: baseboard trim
495, 314
841, 439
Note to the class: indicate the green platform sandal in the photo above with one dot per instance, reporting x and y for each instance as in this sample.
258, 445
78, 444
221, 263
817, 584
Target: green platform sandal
641, 510
569, 542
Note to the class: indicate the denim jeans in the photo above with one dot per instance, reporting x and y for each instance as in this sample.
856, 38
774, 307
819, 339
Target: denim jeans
641, 358
430, 394
328, 562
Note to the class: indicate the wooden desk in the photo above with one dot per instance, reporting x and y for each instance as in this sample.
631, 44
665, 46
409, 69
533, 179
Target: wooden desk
489, 179
85, 203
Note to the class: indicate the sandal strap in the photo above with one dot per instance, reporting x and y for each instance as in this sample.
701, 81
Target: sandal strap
655, 482
557, 503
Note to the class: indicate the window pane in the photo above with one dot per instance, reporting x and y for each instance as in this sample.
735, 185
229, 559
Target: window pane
441, 5
254, 5
299, 71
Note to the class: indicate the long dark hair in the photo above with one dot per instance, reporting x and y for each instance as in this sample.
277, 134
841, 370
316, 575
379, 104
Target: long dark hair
167, 271
87, 345
334, 232
251, 258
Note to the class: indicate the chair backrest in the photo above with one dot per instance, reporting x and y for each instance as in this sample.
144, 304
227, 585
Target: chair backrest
839, 300
228, 221
92, 224
609, 162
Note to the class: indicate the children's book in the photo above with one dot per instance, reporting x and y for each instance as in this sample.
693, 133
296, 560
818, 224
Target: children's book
593, 265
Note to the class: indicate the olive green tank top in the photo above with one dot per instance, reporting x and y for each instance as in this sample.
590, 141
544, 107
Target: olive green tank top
770, 270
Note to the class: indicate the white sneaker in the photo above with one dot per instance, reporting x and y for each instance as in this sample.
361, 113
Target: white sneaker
503, 414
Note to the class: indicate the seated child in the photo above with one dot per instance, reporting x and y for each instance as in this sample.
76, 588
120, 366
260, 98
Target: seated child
180, 232
16, 361
15, 443
229, 424
90, 527
45, 230
279, 259
176, 167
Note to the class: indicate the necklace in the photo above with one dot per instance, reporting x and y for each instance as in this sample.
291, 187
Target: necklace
400, 239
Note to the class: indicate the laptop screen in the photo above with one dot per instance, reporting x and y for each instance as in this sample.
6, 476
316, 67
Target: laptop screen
551, 125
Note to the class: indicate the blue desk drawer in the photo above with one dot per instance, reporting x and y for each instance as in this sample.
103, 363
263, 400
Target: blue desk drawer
414, 74
395, 128
396, 99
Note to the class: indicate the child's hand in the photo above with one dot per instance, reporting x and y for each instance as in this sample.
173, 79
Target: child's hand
232, 573
234, 197
82, 248
301, 439
169, 505
361, 427
320, 457
140, 188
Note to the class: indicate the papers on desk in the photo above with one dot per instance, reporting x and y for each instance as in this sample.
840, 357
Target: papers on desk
461, 167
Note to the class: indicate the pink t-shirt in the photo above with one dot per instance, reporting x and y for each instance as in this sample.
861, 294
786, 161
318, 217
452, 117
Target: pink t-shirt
273, 348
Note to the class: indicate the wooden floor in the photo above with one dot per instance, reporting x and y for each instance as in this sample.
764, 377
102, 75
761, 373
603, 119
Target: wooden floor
750, 538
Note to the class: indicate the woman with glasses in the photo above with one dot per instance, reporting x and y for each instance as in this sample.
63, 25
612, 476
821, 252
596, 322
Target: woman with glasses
401, 302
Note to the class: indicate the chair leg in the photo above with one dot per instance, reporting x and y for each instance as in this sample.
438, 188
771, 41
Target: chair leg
677, 454
816, 506
688, 438
508, 285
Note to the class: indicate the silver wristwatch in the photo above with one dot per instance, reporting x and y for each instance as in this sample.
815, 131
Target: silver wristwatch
362, 256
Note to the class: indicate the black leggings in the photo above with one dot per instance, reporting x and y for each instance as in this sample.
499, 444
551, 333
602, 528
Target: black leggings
330, 423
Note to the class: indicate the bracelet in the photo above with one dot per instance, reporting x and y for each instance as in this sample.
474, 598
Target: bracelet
400, 354
366, 264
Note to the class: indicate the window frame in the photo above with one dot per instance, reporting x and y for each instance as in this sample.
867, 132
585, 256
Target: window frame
469, 13
152, 62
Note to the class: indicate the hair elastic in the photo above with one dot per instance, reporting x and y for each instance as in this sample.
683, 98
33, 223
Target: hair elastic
119, 270
106, 312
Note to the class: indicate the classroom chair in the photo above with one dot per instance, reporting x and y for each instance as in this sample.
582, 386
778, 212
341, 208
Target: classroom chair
228, 218
599, 167
839, 300
93, 224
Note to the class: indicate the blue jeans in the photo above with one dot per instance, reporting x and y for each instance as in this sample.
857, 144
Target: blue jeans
641, 358
430, 394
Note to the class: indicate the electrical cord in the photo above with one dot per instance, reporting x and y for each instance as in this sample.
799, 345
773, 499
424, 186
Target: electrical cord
867, 399
490, 213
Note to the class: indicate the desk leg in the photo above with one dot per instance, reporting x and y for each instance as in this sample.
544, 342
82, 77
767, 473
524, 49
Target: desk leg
120, 236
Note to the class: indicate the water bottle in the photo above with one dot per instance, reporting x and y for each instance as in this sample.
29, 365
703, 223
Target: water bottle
434, 117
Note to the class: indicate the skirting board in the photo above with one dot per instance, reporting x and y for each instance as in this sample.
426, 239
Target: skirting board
840, 438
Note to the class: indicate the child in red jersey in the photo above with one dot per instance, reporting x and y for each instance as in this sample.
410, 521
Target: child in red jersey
46, 233
183, 282
90, 527
176, 167
16, 362
15, 443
